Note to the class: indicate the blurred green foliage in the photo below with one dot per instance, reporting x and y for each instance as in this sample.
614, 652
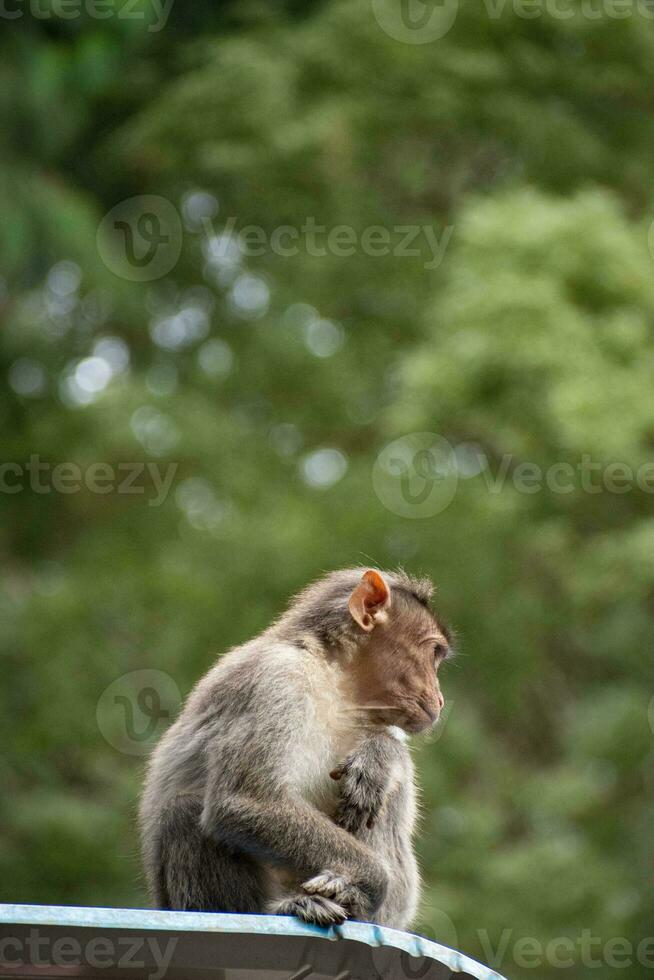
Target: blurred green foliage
532, 341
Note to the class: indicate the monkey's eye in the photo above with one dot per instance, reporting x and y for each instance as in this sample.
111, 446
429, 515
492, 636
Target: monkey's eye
440, 652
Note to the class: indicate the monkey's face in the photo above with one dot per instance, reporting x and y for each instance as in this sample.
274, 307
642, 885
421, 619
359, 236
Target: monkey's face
397, 671
396, 667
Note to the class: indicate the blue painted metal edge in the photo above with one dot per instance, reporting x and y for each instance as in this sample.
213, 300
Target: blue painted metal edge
269, 925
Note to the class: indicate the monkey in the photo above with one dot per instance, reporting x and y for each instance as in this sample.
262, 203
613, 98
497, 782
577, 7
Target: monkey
286, 784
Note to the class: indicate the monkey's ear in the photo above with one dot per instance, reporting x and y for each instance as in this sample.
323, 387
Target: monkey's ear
369, 598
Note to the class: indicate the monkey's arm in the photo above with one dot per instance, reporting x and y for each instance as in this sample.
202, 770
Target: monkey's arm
288, 832
293, 834
366, 777
378, 807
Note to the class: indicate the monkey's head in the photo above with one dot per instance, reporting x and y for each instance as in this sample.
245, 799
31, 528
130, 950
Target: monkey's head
402, 645
391, 642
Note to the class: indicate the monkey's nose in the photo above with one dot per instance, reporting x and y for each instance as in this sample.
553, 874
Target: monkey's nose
432, 710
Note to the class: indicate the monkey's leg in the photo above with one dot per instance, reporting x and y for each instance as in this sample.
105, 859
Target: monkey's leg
293, 834
377, 807
199, 875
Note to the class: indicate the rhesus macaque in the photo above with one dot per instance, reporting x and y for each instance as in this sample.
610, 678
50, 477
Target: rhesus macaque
286, 783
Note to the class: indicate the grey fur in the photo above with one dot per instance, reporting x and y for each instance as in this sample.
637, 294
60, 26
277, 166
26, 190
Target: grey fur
239, 812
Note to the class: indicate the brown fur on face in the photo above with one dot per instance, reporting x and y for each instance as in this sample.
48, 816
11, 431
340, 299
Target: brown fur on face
395, 671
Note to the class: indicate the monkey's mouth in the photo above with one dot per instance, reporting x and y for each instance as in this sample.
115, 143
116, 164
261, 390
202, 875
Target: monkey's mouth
413, 718
421, 720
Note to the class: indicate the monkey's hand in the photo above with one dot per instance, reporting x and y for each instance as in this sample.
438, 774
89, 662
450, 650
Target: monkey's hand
365, 778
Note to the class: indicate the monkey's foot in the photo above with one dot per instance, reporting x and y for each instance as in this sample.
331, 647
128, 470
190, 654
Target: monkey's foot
317, 909
335, 888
